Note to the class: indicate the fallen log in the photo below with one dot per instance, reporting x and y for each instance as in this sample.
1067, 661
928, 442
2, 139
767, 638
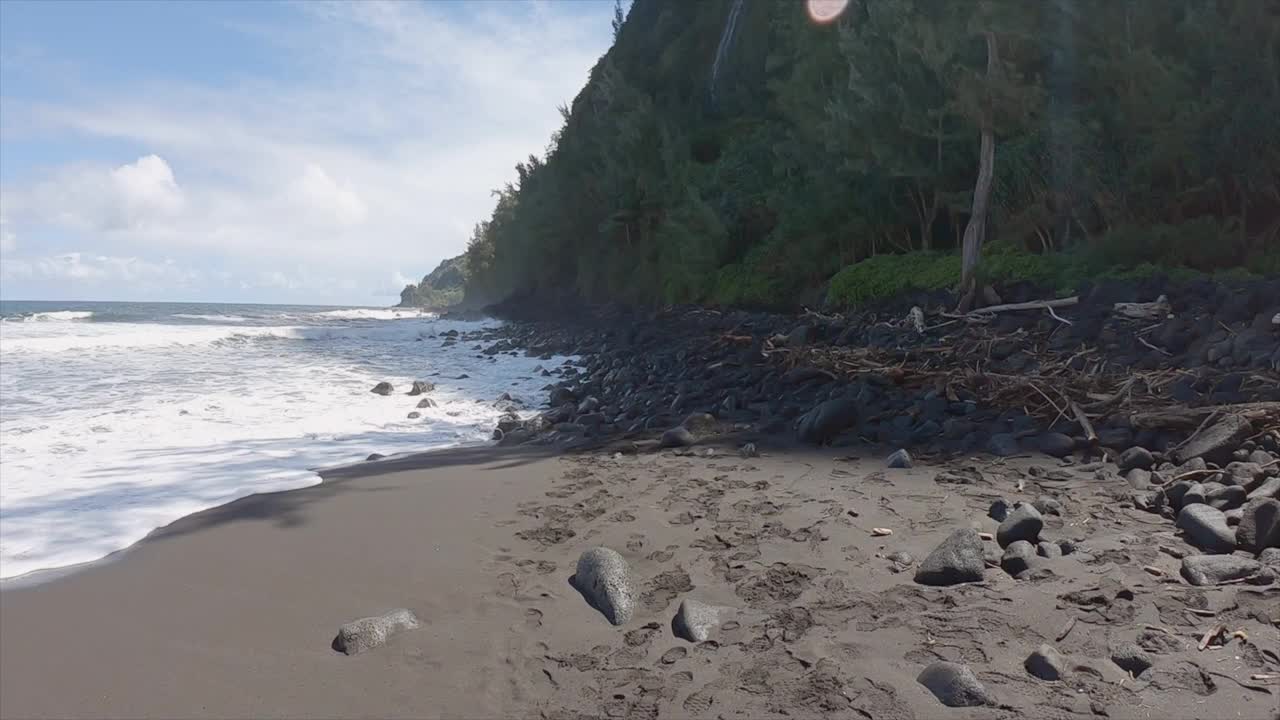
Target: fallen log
1186, 418
1085, 425
1032, 305
1157, 310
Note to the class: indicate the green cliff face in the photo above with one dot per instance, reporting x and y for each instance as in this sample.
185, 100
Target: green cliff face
1125, 133
440, 288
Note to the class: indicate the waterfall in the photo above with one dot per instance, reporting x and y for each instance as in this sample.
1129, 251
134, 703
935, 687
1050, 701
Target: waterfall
726, 42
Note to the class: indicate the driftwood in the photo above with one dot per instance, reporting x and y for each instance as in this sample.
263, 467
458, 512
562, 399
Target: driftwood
1191, 418
1033, 305
1085, 425
1157, 310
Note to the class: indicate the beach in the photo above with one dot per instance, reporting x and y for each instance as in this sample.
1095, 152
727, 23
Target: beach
232, 612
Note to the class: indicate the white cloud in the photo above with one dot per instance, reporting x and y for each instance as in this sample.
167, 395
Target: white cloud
81, 268
378, 153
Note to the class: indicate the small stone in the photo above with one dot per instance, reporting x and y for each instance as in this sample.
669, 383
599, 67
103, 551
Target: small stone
1259, 526
1056, 444
1047, 506
1195, 495
1017, 557
999, 510
957, 559
678, 436
604, 578
426, 403
1046, 663
954, 685
695, 620
421, 386
367, 633
382, 388
374, 456
414, 415
1131, 658
1023, 523
1215, 569
899, 459
1048, 550
1136, 457
1207, 528
1003, 444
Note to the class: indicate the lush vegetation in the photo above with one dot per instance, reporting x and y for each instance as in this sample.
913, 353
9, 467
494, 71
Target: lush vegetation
1126, 136
440, 288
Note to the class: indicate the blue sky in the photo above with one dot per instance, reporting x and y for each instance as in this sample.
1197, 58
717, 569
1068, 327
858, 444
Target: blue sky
268, 151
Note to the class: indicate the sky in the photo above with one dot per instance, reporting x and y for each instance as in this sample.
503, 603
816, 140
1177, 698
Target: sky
291, 152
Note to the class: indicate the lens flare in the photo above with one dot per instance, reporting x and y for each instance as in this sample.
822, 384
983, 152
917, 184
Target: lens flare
825, 11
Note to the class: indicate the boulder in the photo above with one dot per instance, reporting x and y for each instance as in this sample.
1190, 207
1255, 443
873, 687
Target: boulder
563, 396
701, 424
383, 388
1024, 522
1225, 497
367, 633
1214, 569
604, 579
823, 423
899, 459
1131, 658
1136, 457
1003, 444
1056, 444
1259, 526
957, 559
1048, 550
374, 456
1046, 663
695, 620
1270, 488
1207, 528
426, 403
678, 436
1017, 557
1216, 442
421, 386
954, 685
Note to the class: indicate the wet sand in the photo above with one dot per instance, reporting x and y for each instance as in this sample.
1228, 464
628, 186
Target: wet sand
232, 612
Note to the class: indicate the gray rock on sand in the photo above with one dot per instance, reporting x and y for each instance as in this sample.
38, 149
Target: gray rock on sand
367, 633
1024, 522
701, 424
383, 388
899, 459
1056, 444
1046, 663
1217, 441
1017, 557
1269, 488
605, 580
1215, 569
1003, 444
695, 620
1131, 658
1048, 550
1207, 528
1259, 525
957, 559
823, 423
1136, 457
954, 685
678, 436
421, 386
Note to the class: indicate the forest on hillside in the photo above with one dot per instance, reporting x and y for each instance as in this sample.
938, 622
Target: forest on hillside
737, 152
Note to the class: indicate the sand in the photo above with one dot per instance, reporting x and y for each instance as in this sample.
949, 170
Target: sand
232, 612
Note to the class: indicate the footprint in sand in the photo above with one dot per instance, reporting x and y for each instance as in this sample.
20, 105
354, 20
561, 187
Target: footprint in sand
698, 702
660, 556
623, 517
674, 655
684, 518
641, 635
533, 618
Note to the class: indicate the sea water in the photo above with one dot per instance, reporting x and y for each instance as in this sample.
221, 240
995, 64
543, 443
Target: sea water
119, 418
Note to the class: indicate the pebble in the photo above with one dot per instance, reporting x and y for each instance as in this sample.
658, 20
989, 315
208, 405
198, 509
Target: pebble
954, 685
1023, 523
604, 578
1046, 663
899, 459
1048, 550
957, 559
1215, 569
1047, 506
999, 510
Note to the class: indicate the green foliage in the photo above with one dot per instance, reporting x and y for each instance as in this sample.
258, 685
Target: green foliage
1131, 137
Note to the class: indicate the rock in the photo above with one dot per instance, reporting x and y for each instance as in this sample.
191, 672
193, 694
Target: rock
954, 685
426, 403
701, 424
414, 415
999, 510
1048, 550
957, 559
1259, 525
1138, 478
1270, 488
1216, 442
799, 337
421, 386
1023, 523
1270, 557
821, 424
1056, 444
1046, 663
1195, 495
1017, 557
678, 436
1131, 658
695, 620
1003, 444
1207, 528
562, 396
1214, 569
1047, 506
589, 405
899, 459
382, 388
1160, 643
374, 456
367, 633
604, 580
1136, 457
1225, 497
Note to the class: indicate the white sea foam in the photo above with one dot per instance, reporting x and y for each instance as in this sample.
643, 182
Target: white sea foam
212, 318
147, 422
376, 314
57, 316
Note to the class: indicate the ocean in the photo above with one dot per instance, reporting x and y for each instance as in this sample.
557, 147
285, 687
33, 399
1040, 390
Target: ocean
119, 418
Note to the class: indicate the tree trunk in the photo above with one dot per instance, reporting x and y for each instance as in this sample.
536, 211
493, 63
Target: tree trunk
977, 228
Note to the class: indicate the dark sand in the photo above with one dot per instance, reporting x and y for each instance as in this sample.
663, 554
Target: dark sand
231, 612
